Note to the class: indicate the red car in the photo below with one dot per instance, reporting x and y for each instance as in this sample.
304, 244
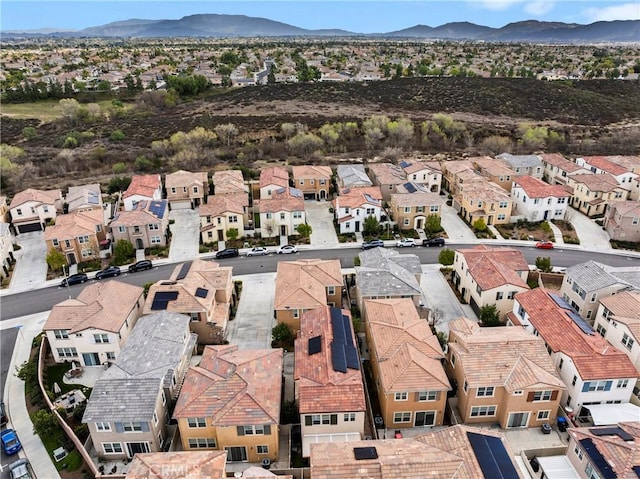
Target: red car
544, 245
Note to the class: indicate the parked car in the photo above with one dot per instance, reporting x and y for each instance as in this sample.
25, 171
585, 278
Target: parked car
544, 245
74, 279
258, 251
3, 414
376, 243
10, 442
405, 243
433, 242
140, 266
108, 272
21, 470
287, 249
227, 253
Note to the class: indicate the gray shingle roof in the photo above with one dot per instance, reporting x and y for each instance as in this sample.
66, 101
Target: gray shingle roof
593, 276
353, 175
122, 400
387, 273
520, 160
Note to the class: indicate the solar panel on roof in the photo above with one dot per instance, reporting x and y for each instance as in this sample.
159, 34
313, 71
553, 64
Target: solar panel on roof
346, 324
361, 453
560, 301
612, 431
184, 270
352, 357
410, 188
404, 164
636, 469
166, 295
157, 208
315, 345
202, 292
338, 357
597, 459
370, 198
582, 324
492, 457
336, 325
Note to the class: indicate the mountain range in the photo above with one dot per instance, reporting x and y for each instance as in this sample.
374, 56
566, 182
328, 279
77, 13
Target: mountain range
215, 25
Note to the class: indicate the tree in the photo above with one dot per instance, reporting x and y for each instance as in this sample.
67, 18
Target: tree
45, 423
119, 168
489, 315
117, 135
56, 260
271, 77
232, 234
288, 129
304, 230
29, 132
432, 225
446, 257
371, 226
480, 225
226, 132
118, 183
123, 252
305, 144
544, 264
282, 334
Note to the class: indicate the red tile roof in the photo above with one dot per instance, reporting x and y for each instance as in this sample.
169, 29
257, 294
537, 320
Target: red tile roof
275, 175
303, 284
494, 267
178, 465
143, 185
604, 164
536, 188
603, 182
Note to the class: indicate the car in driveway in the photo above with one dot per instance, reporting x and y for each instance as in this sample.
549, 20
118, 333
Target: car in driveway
140, 266
287, 249
405, 243
258, 251
544, 245
10, 442
108, 272
433, 242
74, 279
376, 243
21, 470
227, 253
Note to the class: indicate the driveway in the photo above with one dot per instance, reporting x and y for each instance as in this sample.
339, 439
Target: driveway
321, 221
185, 239
251, 328
591, 235
30, 271
457, 230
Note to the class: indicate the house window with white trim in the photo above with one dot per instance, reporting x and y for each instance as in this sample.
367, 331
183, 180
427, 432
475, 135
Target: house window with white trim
542, 396
156, 240
103, 426
83, 239
401, 396
196, 422
427, 395
55, 242
400, 417
61, 333
481, 411
263, 449
132, 426
627, 341
542, 415
112, 447
101, 338
485, 391
349, 417
202, 443
154, 226
67, 352
622, 383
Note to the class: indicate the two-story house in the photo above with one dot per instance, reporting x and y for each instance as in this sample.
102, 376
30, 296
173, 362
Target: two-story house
144, 226
458, 173
523, 165
484, 200
282, 212
495, 170
84, 198
354, 205
622, 220
93, 327
142, 188
423, 173
231, 402
557, 169
186, 189
6, 249
220, 214
539, 201
127, 411
601, 165
313, 180
484, 276
406, 361
229, 182
352, 176
77, 235
592, 369
202, 290
31, 209
303, 285
328, 382
503, 375
591, 192
411, 210
387, 176
273, 179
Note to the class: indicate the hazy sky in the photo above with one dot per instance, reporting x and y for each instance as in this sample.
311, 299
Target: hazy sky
361, 16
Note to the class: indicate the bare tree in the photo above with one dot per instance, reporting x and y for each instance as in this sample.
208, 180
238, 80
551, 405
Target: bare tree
226, 132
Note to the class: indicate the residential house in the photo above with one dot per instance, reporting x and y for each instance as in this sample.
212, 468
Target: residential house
202, 290
523, 165
304, 285
410, 211
385, 274
31, 209
460, 452
558, 170
127, 411
231, 401
423, 173
84, 198
313, 180
352, 176
591, 193
329, 386
406, 361
600, 165
585, 284
229, 182
6, 249
185, 189
178, 464
593, 371
631, 163
282, 213
495, 170
220, 214
484, 276
77, 235
486, 201
387, 176
459, 173
354, 205
93, 328
622, 220
144, 226
142, 188
536, 200
503, 375
273, 179
4, 210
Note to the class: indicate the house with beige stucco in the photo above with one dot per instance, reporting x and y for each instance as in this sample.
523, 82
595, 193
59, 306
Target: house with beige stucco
313, 180
423, 173
386, 176
411, 210
484, 200
220, 214
186, 189
557, 169
272, 179
281, 213
142, 188
32, 209
77, 235
146, 225
591, 192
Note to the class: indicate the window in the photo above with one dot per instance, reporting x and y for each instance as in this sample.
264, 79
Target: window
480, 411
519, 392
155, 418
407, 209
164, 398
302, 182
103, 426
233, 219
202, 443
55, 242
131, 426
349, 417
400, 417
254, 430
406, 221
502, 217
111, 356
323, 182
19, 211
101, 338
591, 472
296, 313
281, 216
160, 439
61, 333
155, 240
67, 352
499, 295
486, 391
268, 216
590, 386
594, 296
465, 386
195, 189
427, 395
194, 422
511, 294
434, 208
627, 341
122, 229
578, 452
560, 363
331, 290
112, 447
401, 396
542, 396
317, 419
577, 289
218, 220
297, 214
173, 189
83, 239
154, 226
542, 415
370, 211
263, 449
622, 383
86, 253
573, 381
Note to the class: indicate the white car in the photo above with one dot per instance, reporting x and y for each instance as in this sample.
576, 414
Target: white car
405, 242
287, 249
258, 251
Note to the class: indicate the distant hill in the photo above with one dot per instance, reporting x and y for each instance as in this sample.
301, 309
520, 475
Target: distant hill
214, 25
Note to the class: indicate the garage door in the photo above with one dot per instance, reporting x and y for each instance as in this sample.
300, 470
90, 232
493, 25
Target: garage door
27, 228
181, 205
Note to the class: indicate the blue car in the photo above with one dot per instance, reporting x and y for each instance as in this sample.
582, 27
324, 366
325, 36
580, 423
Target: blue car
10, 442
